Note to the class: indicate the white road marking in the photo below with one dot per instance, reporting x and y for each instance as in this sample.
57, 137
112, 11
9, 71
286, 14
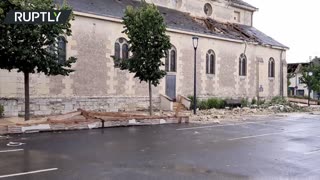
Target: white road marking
212, 126
14, 144
11, 150
262, 135
312, 152
26, 173
237, 124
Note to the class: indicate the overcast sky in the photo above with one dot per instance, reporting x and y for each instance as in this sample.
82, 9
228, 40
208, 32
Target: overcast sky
291, 22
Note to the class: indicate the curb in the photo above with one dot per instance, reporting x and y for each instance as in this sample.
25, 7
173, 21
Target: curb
88, 124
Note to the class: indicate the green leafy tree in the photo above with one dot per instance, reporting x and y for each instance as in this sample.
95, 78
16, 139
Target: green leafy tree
146, 30
25, 47
289, 76
311, 77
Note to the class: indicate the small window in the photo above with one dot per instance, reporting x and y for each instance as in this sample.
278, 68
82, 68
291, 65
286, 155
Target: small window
62, 50
271, 68
300, 80
121, 50
236, 16
117, 50
167, 61
59, 49
210, 62
243, 65
171, 60
207, 9
300, 92
125, 51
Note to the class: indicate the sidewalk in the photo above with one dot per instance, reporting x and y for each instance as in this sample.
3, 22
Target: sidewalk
82, 119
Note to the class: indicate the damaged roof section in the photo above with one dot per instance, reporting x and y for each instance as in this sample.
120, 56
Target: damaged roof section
240, 32
177, 20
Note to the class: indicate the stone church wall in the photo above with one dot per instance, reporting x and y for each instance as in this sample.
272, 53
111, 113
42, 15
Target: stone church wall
97, 85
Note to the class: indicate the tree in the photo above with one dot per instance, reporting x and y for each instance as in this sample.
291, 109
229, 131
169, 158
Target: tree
32, 48
311, 77
289, 76
148, 42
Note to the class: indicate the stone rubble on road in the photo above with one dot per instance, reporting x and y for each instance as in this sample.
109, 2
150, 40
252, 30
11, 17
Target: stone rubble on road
241, 114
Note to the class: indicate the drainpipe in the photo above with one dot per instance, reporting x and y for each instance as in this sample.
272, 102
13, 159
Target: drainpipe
296, 89
245, 48
258, 81
244, 52
281, 75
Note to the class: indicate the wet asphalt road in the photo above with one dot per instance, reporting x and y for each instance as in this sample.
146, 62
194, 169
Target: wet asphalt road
280, 148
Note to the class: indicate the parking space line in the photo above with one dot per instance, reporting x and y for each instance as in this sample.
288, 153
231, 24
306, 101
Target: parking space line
262, 135
238, 124
312, 152
212, 126
26, 173
11, 150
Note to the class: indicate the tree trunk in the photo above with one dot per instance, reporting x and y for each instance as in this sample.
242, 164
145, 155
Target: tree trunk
26, 97
309, 93
150, 99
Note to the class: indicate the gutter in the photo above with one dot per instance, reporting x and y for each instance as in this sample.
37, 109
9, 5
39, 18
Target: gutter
281, 48
281, 75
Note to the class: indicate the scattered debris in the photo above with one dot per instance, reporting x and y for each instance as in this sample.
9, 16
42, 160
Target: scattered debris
241, 114
83, 119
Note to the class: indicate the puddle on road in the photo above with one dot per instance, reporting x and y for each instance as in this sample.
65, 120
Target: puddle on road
298, 147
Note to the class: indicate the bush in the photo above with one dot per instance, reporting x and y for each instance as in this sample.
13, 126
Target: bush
216, 103
244, 102
213, 103
1, 110
279, 100
192, 103
253, 101
203, 105
222, 104
261, 102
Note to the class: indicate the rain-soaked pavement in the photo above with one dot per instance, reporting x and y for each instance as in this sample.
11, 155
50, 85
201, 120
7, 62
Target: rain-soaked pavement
277, 148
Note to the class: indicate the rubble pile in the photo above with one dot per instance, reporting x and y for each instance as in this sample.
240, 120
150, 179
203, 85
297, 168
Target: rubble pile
216, 115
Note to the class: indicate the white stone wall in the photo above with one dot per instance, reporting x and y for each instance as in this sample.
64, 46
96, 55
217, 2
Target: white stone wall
96, 76
60, 105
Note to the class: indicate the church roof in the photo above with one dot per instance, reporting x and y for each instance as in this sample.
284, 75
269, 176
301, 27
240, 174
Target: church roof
177, 20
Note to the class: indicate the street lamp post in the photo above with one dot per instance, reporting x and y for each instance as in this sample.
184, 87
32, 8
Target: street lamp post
195, 40
309, 88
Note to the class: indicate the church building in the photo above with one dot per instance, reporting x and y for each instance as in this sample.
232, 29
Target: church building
234, 59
